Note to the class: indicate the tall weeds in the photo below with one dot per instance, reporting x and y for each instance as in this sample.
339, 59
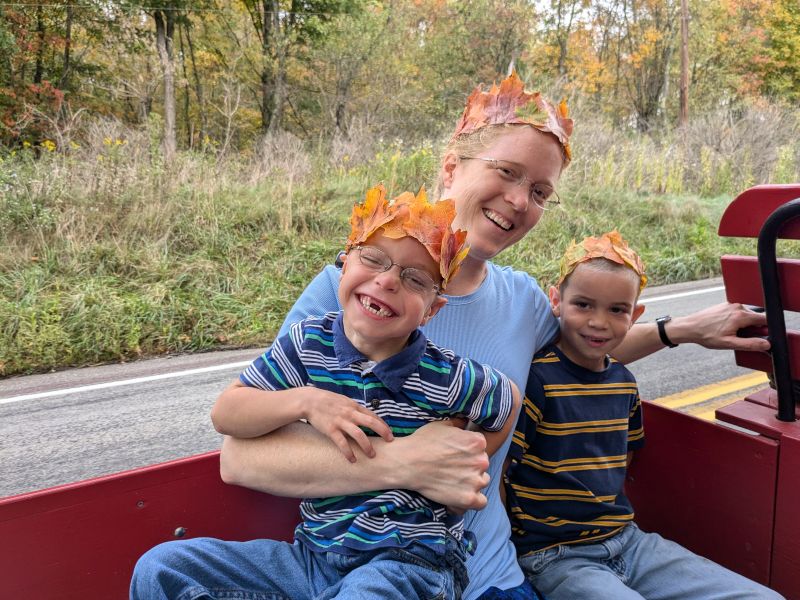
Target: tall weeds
109, 254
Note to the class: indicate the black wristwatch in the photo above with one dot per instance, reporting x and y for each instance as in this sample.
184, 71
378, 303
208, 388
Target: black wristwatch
662, 331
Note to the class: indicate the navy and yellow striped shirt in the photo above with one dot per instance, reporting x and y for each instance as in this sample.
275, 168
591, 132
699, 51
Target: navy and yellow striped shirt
422, 383
568, 456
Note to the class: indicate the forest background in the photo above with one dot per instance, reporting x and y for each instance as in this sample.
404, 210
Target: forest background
172, 173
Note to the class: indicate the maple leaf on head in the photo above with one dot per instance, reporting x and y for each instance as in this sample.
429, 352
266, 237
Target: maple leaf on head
411, 216
369, 216
610, 246
454, 251
509, 103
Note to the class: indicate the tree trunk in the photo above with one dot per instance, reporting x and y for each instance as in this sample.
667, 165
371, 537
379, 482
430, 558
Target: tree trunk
39, 71
165, 28
683, 118
186, 117
64, 81
280, 38
198, 87
266, 66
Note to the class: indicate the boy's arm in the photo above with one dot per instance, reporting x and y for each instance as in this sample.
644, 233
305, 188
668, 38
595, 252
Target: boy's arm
495, 439
245, 412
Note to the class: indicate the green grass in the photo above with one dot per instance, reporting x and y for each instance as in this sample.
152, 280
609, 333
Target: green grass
108, 256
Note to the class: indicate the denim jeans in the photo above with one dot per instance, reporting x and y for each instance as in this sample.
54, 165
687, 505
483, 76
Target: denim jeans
271, 570
632, 565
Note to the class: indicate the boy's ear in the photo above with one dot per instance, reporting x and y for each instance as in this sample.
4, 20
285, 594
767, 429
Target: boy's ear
555, 300
637, 312
435, 307
449, 165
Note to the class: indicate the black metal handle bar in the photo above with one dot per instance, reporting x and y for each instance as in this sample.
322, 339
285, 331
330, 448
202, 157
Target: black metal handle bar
776, 323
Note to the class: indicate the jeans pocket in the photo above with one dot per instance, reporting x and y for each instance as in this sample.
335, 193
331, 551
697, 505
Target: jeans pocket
536, 563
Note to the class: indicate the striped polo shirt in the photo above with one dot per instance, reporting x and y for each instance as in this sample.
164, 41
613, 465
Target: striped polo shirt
568, 456
420, 384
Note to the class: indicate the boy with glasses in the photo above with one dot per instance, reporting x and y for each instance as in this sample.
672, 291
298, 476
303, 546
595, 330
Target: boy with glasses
365, 370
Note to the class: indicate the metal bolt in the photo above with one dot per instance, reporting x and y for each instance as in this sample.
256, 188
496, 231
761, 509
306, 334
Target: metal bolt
140, 504
180, 532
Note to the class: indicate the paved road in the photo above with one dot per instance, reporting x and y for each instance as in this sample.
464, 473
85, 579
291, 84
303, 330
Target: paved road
51, 437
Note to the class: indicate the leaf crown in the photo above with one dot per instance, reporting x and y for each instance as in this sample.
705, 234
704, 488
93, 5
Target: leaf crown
410, 215
510, 103
610, 246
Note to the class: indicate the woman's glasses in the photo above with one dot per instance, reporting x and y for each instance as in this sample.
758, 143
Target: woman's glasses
414, 280
541, 194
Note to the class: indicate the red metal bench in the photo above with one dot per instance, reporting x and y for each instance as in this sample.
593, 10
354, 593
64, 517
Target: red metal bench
82, 540
724, 493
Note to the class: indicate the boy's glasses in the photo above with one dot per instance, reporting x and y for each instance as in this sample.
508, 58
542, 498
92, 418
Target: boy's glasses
541, 194
414, 280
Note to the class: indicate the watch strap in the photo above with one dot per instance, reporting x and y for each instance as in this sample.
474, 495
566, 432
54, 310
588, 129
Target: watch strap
661, 323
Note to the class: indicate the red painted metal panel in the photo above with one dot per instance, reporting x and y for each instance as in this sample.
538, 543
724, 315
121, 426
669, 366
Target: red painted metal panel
708, 487
82, 540
757, 414
743, 281
748, 211
765, 397
786, 547
761, 361
755, 417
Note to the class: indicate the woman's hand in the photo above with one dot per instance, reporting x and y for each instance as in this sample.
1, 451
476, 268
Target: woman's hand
341, 418
717, 327
446, 464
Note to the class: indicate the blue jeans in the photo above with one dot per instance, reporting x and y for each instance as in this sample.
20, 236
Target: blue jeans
271, 570
632, 565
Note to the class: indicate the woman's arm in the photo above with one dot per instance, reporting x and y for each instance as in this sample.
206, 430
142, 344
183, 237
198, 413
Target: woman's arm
440, 461
714, 327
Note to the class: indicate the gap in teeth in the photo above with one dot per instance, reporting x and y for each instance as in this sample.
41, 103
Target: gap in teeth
374, 309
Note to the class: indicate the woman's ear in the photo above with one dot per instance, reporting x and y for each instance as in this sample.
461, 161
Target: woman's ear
449, 165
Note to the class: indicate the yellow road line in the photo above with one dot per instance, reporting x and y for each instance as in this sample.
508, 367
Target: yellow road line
713, 390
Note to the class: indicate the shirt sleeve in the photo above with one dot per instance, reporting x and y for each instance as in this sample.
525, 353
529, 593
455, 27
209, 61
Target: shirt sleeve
635, 425
480, 393
530, 415
321, 296
280, 367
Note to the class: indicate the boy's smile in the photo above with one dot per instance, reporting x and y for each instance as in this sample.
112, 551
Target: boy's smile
380, 311
597, 307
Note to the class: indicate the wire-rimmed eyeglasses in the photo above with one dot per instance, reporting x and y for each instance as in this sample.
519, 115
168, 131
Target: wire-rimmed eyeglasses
415, 280
542, 195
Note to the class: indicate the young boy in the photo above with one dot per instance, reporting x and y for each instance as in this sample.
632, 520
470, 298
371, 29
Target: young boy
370, 369
581, 420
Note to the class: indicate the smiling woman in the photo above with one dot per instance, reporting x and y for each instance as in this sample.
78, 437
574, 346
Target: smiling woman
494, 315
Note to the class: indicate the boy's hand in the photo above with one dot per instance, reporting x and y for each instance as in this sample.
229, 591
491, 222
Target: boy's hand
340, 418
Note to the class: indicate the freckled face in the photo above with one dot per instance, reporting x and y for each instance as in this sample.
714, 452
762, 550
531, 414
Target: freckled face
597, 308
494, 213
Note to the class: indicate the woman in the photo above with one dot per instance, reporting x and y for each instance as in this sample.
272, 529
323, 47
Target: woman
501, 169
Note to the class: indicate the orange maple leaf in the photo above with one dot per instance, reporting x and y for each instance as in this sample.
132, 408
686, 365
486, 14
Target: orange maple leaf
369, 216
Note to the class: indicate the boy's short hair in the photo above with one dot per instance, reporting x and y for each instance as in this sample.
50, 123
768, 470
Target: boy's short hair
411, 216
610, 247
